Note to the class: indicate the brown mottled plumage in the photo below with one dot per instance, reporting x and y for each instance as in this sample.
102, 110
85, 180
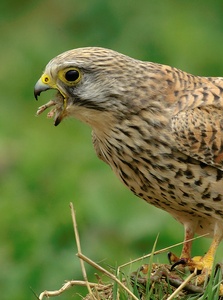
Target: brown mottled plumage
160, 130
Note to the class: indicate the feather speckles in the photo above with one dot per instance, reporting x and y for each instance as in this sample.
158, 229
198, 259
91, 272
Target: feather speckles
159, 128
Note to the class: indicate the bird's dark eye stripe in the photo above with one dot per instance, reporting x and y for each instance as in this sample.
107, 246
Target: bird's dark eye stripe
72, 75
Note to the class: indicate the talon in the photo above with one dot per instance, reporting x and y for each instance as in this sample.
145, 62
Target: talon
172, 257
181, 261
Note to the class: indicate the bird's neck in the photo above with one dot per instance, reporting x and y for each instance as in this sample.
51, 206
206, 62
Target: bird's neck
130, 138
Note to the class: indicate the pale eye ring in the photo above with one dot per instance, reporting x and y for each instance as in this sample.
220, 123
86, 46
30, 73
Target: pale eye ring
72, 75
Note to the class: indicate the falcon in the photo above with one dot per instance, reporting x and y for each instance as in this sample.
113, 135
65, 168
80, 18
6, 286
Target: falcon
160, 129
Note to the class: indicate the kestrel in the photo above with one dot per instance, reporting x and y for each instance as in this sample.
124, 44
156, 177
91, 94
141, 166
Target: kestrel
159, 128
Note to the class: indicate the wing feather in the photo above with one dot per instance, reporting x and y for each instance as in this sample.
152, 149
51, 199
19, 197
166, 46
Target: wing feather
197, 123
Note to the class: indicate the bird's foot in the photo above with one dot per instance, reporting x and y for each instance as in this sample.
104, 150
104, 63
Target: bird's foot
202, 264
197, 262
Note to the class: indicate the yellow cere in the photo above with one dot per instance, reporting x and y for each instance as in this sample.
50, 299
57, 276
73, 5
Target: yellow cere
46, 80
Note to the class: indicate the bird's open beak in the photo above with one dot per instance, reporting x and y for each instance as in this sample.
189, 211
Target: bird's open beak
59, 103
40, 87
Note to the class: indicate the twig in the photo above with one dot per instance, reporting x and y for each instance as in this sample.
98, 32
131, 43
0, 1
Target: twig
68, 285
110, 275
184, 283
91, 262
77, 238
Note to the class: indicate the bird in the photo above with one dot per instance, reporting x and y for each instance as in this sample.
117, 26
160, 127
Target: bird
160, 129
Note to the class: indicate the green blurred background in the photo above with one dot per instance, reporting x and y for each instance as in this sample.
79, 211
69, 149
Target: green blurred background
43, 167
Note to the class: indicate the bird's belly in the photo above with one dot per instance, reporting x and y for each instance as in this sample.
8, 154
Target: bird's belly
188, 191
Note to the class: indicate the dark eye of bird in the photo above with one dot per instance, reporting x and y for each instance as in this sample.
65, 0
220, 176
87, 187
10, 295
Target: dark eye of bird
72, 75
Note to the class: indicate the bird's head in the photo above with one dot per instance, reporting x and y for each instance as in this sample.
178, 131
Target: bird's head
91, 84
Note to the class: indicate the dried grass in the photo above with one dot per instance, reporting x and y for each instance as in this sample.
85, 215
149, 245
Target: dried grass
151, 281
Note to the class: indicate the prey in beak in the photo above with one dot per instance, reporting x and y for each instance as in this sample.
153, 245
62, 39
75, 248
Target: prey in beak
59, 103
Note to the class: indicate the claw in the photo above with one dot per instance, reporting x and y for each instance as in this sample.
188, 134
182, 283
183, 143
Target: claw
181, 261
172, 257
